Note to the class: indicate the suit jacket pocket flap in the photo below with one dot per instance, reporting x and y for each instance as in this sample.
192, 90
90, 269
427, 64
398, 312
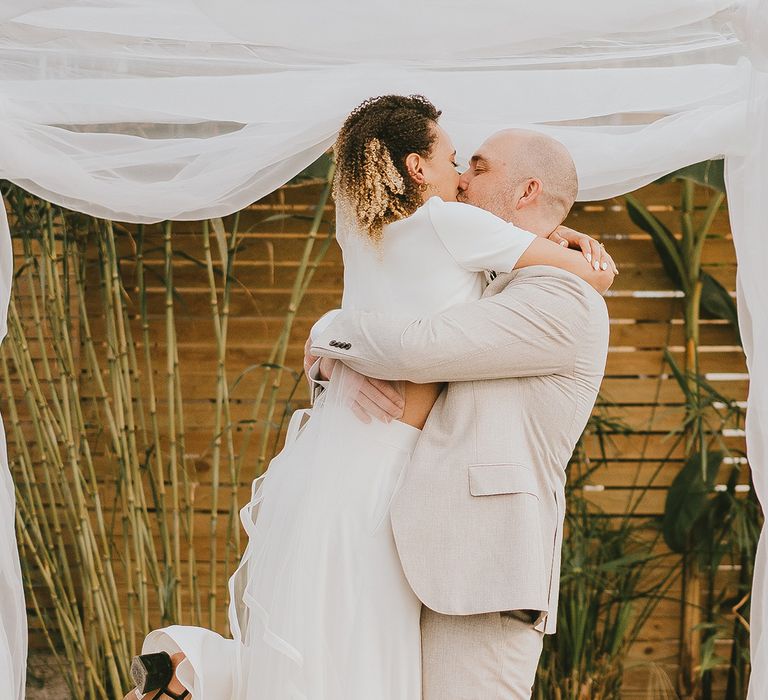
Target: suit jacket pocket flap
493, 479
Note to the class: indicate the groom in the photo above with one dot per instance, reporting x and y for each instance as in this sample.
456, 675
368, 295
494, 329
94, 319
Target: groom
478, 518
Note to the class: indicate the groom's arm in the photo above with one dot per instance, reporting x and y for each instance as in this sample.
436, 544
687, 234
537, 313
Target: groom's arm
531, 328
375, 399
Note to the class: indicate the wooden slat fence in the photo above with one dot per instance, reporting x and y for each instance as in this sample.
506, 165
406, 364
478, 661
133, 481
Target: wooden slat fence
645, 313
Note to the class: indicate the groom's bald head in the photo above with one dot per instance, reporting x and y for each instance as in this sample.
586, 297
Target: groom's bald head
523, 176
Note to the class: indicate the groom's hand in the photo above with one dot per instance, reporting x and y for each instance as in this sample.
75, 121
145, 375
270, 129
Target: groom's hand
309, 358
378, 399
375, 399
593, 250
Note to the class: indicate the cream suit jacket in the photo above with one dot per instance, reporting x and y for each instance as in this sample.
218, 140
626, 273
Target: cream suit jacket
478, 517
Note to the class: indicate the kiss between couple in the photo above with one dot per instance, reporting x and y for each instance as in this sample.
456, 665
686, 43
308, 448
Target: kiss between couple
418, 556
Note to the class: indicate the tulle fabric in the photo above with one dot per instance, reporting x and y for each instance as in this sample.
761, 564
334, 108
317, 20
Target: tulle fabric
140, 111
13, 620
319, 606
747, 182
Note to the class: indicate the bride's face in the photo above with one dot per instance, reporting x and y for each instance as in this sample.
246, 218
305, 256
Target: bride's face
438, 171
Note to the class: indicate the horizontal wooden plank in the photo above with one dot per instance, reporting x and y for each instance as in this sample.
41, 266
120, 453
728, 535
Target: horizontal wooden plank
329, 275
274, 302
273, 235
621, 500
614, 473
650, 446
660, 390
651, 362
242, 331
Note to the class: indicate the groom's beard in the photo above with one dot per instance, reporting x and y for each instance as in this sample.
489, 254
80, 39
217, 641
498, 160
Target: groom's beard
496, 203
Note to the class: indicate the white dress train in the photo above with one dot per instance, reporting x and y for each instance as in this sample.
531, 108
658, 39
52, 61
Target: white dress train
319, 607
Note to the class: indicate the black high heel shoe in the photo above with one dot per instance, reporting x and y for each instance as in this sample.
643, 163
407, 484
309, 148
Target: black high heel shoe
154, 672
170, 694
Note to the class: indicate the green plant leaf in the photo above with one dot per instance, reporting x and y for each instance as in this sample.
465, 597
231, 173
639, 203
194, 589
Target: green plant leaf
217, 224
687, 501
716, 302
710, 173
679, 375
314, 171
663, 239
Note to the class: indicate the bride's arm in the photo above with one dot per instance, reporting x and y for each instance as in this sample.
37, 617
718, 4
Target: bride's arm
478, 240
542, 251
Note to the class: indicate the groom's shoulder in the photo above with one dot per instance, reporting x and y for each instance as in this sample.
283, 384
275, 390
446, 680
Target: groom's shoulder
543, 276
545, 282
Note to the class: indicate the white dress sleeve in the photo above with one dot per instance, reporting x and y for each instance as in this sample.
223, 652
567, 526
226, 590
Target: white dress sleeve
476, 239
208, 672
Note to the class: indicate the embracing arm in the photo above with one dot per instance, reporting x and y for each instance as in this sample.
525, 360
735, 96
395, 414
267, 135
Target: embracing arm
531, 328
543, 251
478, 240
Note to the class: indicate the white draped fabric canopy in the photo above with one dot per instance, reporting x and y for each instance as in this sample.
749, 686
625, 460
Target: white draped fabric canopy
140, 110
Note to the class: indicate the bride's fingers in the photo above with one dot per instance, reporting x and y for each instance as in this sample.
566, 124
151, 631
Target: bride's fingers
610, 261
596, 253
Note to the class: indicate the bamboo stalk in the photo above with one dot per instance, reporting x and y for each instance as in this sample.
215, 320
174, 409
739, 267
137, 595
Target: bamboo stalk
299, 286
277, 355
158, 485
171, 369
221, 397
233, 531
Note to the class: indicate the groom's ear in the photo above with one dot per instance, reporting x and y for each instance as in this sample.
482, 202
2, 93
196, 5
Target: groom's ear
531, 192
414, 164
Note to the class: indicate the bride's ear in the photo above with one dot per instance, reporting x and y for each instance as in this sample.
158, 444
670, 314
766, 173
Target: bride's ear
414, 164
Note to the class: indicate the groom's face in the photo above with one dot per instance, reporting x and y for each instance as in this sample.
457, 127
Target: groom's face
486, 183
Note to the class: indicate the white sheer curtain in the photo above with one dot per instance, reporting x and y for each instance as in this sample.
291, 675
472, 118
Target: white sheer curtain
747, 182
13, 622
186, 109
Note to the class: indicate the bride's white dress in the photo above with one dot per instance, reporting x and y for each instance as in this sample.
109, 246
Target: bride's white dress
319, 607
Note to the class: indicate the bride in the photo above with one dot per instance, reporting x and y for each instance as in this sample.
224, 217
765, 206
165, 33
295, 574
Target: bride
319, 606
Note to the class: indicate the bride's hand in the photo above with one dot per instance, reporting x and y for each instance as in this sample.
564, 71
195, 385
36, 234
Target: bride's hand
593, 250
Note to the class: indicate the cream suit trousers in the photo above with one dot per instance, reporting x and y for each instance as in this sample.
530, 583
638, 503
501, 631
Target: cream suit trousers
478, 657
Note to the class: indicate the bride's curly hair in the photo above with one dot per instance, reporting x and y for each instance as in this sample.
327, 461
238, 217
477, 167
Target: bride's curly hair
371, 178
